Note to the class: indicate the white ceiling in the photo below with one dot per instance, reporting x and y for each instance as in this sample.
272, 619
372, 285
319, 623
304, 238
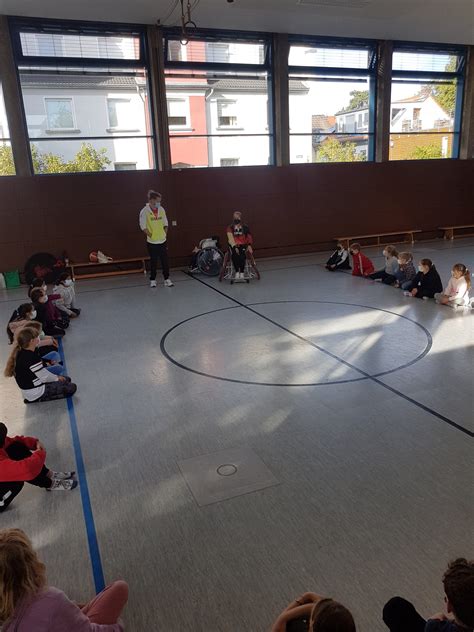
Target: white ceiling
420, 20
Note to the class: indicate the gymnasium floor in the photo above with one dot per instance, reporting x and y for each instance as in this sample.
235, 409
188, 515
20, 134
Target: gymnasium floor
346, 406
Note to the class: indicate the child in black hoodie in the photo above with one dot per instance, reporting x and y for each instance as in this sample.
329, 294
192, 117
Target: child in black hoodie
426, 283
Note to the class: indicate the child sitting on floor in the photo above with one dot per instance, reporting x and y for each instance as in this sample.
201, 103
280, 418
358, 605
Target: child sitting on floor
22, 460
362, 265
36, 383
426, 282
389, 272
23, 317
339, 260
456, 293
61, 318
65, 288
406, 270
46, 316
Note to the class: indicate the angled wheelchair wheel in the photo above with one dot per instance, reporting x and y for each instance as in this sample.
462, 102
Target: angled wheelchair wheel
209, 261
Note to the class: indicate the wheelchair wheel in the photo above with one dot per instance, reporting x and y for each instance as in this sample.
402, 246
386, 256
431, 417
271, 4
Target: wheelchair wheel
224, 267
209, 261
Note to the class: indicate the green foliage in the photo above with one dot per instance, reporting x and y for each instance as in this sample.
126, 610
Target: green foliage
86, 159
7, 166
359, 99
426, 152
334, 151
445, 94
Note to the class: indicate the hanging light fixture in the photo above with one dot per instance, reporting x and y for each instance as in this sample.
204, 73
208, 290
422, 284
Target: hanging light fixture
186, 23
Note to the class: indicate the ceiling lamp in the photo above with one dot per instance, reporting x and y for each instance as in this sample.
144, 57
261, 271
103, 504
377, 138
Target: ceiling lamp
186, 22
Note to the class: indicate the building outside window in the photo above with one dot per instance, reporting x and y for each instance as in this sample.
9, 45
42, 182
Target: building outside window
427, 87
85, 96
7, 166
333, 120
225, 86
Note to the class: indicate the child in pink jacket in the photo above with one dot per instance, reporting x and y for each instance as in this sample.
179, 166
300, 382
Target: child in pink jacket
29, 605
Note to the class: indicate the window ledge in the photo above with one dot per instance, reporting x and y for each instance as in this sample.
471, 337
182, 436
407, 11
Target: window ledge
113, 130
230, 128
174, 128
61, 132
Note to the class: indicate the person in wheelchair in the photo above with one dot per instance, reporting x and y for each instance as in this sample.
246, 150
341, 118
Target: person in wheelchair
240, 242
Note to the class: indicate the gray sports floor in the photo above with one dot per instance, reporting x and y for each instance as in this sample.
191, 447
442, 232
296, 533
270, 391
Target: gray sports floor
353, 460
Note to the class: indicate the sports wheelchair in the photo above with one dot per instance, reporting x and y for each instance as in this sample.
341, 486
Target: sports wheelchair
208, 259
228, 271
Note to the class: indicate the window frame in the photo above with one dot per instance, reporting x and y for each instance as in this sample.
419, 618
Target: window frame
68, 65
341, 74
187, 125
59, 130
265, 67
424, 76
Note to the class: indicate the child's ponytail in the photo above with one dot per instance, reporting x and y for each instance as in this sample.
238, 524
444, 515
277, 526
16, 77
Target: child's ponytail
23, 339
11, 362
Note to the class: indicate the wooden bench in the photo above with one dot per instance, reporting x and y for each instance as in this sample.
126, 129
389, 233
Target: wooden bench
109, 264
409, 237
449, 231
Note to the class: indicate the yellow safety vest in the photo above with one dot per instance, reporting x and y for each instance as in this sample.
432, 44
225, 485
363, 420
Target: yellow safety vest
155, 226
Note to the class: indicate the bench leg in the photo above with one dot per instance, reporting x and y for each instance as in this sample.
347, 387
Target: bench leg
410, 238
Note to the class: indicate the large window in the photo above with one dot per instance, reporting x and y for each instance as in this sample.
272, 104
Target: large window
85, 95
7, 166
218, 98
331, 100
426, 102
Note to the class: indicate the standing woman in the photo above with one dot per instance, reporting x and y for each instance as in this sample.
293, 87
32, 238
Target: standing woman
154, 223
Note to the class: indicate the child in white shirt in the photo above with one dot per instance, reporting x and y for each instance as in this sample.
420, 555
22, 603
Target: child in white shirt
456, 292
65, 288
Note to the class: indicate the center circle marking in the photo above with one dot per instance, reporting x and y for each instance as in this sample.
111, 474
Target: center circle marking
226, 470
364, 376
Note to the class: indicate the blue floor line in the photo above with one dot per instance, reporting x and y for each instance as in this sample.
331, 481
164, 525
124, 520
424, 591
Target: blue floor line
92, 540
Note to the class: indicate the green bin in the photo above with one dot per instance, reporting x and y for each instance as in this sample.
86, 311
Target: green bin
12, 279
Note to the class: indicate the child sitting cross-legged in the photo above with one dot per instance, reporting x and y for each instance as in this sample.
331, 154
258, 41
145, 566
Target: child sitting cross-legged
427, 281
36, 382
65, 288
456, 293
339, 260
406, 270
390, 269
361, 265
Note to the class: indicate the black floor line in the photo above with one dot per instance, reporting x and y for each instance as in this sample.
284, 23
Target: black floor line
427, 409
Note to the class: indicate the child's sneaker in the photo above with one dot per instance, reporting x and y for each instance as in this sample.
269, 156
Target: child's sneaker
426, 298
168, 283
406, 293
58, 485
152, 283
63, 476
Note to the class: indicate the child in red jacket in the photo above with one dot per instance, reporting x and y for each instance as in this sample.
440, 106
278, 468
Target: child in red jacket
361, 265
22, 460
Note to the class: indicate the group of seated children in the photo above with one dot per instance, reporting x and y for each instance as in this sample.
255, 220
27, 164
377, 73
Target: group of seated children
399, 271
33, 330
313, 613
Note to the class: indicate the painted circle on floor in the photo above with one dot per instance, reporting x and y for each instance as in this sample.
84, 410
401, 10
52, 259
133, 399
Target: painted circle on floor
315, 343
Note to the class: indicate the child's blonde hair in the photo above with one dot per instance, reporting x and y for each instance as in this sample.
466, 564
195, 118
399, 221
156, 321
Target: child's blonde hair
23, 339
391, 251
22, 575
406, 256
460, 267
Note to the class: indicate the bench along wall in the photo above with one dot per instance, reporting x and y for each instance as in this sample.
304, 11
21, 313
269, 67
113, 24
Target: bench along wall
292, 209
